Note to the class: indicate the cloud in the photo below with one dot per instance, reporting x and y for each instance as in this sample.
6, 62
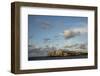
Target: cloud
56, 37
71, 46
29, 45
37, 52
81, 30
46, 40
32, 46
70, 34
83, 46
73, 32
45, 24
78, 47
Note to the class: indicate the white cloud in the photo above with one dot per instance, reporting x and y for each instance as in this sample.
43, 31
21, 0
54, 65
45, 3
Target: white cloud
77, 47
81, 30
73, 32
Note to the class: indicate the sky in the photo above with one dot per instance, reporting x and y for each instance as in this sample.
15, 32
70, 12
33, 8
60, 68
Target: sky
57, 31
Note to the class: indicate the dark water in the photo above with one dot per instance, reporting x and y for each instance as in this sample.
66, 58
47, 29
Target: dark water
54, 58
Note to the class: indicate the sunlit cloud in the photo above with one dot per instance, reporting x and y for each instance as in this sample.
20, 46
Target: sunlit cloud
73, 32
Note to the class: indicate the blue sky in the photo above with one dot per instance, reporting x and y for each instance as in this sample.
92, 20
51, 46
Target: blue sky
56, 31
